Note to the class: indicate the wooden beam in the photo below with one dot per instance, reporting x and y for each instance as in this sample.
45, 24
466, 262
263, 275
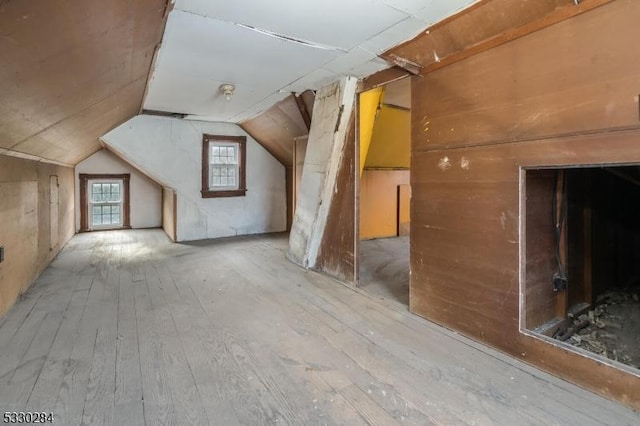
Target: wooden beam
562, 299
476, 32
588, 250
304, 113
383, 77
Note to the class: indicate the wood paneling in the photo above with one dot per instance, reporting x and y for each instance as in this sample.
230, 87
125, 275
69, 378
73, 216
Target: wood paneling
404, 209
337, 253
170, 213
464, 246
26, 228
276, 128
383, 77
483, 26
71, 71
562, 96
540, 299
566, 79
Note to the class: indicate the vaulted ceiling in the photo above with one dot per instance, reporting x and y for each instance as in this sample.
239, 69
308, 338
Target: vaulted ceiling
70, 71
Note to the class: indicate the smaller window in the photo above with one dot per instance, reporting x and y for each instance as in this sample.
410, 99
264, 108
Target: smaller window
223, 166
104, 201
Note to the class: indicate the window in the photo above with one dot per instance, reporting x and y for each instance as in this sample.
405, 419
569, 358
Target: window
104, 202
223, 166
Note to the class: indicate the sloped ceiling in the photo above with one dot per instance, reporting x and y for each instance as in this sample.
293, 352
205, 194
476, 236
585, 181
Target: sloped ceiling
277, 127
72, 70
269, 49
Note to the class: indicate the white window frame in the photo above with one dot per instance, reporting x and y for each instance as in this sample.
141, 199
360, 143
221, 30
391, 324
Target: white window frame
92, 203
223, 164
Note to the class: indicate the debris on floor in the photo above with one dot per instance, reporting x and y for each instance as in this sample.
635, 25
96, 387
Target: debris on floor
611, 329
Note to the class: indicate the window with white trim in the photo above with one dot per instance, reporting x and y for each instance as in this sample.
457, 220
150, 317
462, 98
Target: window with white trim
223, 165
105, 204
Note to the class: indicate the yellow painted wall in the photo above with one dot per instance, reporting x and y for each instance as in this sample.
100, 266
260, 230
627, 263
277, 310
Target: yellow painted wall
390, 145
369, 102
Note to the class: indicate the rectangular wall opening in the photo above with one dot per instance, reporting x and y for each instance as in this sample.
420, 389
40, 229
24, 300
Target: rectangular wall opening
582, 259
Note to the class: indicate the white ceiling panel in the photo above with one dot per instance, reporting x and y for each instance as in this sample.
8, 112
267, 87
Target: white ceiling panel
215, 49
410, 7
369, 68
268, 49
340, 23
313, 81
350, 60
437, 10
402, 31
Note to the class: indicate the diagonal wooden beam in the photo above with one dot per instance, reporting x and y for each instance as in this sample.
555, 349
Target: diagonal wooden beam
302, 107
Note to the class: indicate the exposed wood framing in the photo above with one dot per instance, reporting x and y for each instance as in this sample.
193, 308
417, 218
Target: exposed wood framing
338, 249
382, 78
302, 107
319, 197
560, 219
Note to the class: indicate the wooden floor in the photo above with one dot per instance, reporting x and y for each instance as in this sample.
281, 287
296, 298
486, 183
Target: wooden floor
125, 328
384, 268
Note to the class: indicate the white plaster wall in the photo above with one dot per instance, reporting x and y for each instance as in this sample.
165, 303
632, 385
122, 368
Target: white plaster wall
145, 195
170, 151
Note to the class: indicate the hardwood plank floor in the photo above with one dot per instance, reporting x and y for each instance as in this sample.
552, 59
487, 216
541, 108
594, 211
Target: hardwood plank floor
127, 328
384, 268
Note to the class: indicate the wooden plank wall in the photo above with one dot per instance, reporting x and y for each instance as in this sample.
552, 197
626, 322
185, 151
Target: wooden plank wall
337, 254
25, 228
72, 71
564, 95
540, 264
170, 213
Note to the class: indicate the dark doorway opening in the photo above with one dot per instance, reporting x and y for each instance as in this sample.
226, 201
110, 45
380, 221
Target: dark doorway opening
582, 259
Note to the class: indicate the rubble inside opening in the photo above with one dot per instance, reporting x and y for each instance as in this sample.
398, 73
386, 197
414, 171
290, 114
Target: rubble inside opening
611, 329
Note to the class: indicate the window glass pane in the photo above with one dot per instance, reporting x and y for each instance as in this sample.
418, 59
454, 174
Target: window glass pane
95, 192
115, 218
97, 219
223, 165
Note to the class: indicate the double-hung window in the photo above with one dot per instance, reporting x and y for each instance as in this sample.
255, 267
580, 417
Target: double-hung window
223, 166
104, 201
105, 204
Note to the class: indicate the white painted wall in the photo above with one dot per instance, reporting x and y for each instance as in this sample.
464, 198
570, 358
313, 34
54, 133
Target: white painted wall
145, 195
170, 151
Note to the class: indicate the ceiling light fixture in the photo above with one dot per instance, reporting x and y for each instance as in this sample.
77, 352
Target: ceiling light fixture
227, 90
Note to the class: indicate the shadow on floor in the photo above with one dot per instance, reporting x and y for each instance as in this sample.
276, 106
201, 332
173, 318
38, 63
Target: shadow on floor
384, 268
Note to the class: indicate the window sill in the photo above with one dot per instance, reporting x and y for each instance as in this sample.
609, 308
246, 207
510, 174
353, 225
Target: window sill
220, 194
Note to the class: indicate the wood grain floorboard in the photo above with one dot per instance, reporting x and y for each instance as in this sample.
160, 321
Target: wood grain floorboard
127, 328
